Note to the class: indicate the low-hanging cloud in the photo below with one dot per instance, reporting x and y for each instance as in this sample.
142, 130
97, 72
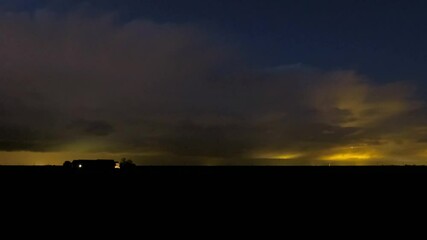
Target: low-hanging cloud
155, 91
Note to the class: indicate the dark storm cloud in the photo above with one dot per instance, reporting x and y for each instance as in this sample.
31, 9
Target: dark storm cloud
92, 128
87, 83
58, 69
17, 138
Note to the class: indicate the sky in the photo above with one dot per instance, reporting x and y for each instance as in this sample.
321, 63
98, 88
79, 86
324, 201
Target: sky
213, 82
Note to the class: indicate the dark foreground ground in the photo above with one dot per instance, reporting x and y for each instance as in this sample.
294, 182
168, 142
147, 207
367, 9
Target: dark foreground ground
237, 173
206, 187
283, 177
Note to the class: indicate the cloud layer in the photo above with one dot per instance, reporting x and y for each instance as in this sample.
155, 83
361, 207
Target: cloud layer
175, 94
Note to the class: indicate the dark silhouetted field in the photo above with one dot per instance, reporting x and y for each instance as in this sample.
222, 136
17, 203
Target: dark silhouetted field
175, 187
227, 176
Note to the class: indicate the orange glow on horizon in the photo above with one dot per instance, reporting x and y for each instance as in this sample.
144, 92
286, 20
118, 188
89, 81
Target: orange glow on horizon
352, 154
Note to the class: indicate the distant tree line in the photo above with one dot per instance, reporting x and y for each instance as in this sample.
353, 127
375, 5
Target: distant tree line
126, 164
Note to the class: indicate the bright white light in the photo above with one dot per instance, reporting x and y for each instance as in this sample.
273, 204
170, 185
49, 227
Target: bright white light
80, 166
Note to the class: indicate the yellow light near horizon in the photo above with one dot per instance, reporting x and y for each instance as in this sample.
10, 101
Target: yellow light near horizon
422, 153
349, 156
358, 153
286, 156
52, 158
